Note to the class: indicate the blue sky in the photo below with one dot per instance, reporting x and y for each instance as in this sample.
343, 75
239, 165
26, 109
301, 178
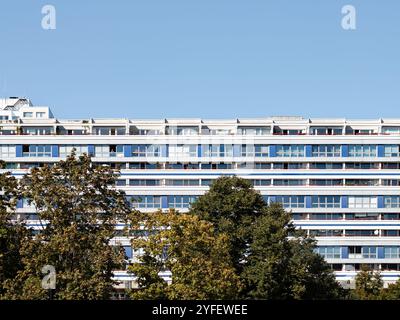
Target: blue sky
203, 58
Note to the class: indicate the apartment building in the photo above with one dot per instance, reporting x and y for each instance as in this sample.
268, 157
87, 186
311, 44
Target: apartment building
340, 178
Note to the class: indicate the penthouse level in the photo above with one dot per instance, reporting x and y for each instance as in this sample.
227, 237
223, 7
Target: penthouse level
19, 117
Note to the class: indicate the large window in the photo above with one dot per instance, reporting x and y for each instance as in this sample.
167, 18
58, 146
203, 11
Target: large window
253, 131
392, 150
180, 202
391, 252
261, 150
79, 150
325, 201
182, 150
146, 202
295, 150
326, 150
363, 202
7, 151
217, 150
392, 201
368, 252
329, 252
105, 151
362, 150
36, 151
146, 150
291, 201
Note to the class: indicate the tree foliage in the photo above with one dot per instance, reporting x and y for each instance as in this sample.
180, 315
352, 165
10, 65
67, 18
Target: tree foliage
369, 285
13, 234
273, 259
186, 246
78, 209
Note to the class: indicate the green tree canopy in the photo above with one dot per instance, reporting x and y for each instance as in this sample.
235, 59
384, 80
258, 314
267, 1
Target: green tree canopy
12, 233
273, 259
369, 285
231, 205
186, 246
79, 209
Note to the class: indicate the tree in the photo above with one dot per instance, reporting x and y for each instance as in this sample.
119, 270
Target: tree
392, 292
231, 205
273, 259
78, 209
282, 263
369, 285
186, 246
12, 233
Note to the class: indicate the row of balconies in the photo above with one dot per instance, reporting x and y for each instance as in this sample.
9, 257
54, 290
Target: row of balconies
90, 129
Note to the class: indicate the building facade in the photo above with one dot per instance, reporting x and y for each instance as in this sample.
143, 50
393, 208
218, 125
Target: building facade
339, 178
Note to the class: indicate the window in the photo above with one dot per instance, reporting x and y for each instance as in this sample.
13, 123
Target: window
363, 202
182, 130
217, 150
329, 252
362, 165
360, 150
65, 150
391, 233
183, 150
216, 166
253, 131
325, 201
362, 182
120, 182
326, 216
291, 201
368, 252
116, 150
326, 131
391, 252
392, 150
290, 165
326, 182
326, 166
180, 202
261, 182
362, 216
144, 182
7, 151
289, 182
326, 233
290, 150
40, 114
146, 202
261, 150
144, 165
102, 151
182, 182
391, 216
391, 165
391, 201
36, 151
247, 150
391, 182
361, 233
146, 150
326, 150
253, 165
28, 114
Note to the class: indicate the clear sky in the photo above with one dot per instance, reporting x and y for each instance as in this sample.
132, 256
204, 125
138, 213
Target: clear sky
203, 58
